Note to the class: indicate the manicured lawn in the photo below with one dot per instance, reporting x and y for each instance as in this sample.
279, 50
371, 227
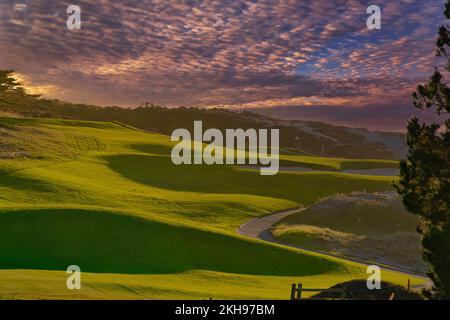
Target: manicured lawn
108, 199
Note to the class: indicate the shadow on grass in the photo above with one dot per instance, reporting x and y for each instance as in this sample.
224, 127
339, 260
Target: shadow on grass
357, 290
159, 171
105, 242
23, 184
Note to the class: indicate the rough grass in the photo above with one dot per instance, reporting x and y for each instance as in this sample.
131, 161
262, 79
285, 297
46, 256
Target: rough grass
372, 227
108, 198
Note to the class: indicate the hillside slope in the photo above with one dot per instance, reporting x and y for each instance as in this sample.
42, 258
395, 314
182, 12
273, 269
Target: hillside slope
369, 227
311, 138
108, 198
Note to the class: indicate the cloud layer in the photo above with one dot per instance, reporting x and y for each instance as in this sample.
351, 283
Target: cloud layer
240, 53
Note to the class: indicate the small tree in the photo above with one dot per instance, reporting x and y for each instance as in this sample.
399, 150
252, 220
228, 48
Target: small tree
8, 84
425, 176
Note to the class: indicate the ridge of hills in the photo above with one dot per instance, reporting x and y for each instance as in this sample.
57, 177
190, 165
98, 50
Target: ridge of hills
314, 138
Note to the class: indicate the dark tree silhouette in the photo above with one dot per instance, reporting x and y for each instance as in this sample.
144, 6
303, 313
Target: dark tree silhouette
8, 84
425, 176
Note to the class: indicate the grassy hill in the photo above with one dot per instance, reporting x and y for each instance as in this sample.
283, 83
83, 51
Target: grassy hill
315, 138
107, 198
369, 227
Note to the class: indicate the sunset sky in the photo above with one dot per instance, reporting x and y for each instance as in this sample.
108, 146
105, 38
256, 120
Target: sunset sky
296, 58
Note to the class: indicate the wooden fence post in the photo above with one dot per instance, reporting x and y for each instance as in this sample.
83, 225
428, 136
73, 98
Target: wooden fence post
293, 291
296, 291
409, 285
299, 291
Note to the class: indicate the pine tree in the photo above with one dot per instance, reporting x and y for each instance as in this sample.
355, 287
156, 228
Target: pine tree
425, 176
8, 84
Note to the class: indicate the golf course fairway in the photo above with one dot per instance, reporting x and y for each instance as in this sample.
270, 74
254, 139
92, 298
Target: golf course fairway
107, 198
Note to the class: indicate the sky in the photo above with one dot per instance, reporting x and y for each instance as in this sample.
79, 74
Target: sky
296, 59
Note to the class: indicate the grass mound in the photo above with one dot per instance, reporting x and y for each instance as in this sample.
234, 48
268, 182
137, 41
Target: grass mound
104, 242
370, 227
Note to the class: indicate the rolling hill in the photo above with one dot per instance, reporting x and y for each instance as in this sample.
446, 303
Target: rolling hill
106, 197
296, 137
369, 227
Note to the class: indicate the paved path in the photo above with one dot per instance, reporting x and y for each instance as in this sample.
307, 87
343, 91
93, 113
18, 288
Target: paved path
259, 228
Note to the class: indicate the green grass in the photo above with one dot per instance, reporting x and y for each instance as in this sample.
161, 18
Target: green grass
35, 284
108, 198
369, 227
111, 236
335, 164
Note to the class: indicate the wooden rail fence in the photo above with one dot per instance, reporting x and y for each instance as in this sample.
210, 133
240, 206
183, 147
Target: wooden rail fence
296, 291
